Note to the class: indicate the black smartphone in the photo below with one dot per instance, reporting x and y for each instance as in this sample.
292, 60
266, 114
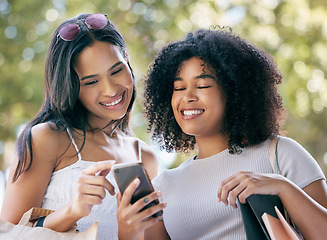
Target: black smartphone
125, 173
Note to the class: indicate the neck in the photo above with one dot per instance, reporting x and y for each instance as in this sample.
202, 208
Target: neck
211, 145
103, 126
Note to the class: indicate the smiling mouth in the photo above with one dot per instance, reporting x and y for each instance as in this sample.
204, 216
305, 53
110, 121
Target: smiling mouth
113, 103
192, 112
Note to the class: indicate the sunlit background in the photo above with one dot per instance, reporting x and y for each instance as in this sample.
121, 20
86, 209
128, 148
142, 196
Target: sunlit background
293, 31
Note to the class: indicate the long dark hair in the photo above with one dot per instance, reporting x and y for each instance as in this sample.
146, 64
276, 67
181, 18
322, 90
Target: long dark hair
61, 105
247, 75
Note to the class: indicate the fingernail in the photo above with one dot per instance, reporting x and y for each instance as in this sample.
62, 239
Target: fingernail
158, 193
136, 181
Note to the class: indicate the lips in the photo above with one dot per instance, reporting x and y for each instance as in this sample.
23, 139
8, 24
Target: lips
113, 102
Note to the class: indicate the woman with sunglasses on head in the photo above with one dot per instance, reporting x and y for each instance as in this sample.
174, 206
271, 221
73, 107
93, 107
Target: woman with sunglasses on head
64, 155
216, 92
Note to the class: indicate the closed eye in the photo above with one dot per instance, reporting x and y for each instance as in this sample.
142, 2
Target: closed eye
203, 87
179, 89
117, 71
91, 82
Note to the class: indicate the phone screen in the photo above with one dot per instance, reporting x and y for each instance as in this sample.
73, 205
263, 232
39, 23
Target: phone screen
125, 173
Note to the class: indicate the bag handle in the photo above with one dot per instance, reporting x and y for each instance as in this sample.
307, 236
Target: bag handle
273, 155
33, 215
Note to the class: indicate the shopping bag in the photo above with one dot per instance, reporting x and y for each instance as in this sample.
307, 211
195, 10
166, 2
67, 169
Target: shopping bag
24, 230
279, 228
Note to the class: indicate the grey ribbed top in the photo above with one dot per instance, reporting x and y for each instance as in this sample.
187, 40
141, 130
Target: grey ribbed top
190, 190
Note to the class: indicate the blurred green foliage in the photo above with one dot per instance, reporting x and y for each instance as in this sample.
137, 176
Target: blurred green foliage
293, 31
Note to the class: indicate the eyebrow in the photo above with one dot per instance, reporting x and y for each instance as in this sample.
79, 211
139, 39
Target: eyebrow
205, 76
201, 76
95, 75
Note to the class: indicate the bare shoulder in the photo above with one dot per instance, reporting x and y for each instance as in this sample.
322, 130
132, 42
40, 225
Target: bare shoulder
46, 131
48, 140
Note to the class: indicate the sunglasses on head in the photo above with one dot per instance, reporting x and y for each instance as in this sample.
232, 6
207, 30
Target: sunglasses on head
95, 21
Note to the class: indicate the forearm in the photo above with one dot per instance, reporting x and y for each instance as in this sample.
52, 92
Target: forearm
306, 213
61, 220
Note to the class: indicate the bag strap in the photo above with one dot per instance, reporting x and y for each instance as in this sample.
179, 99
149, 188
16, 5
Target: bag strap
273, 155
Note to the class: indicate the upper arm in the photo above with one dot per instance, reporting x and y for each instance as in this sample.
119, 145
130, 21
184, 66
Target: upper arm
29, 189
318, 191
157, 231
149, 160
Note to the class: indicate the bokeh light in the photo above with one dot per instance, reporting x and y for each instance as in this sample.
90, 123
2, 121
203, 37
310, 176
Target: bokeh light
11, 32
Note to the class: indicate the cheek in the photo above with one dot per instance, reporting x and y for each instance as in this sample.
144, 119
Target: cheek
174, 104
127, 82
85, 95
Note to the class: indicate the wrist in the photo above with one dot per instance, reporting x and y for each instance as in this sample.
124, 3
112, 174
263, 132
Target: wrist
71, 213
286, 187
124, 236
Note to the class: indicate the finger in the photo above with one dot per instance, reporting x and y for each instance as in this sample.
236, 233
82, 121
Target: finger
91, 190
118, 197
99, 166
229, 186
89, 199
97, 181
244, 195
149, 212
127, 196
142, 202
235, 193
238, 185
222, 184
104, 172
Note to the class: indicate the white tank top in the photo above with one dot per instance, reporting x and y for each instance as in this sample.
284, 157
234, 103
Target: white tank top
62, 187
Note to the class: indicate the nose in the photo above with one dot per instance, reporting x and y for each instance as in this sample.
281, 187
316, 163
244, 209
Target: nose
108, 87
190, 95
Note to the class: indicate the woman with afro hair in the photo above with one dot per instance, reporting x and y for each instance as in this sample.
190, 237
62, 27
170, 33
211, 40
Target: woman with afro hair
216, 93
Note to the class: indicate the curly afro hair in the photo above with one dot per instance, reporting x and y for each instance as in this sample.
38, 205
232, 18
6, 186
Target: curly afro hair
247, 75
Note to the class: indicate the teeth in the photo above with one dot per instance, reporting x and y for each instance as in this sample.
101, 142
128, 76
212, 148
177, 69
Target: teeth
192, 112
112, 103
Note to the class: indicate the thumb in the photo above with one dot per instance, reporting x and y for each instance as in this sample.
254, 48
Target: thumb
104, 172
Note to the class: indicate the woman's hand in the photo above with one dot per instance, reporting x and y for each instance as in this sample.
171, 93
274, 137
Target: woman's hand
132, 222
244, 184
91, 186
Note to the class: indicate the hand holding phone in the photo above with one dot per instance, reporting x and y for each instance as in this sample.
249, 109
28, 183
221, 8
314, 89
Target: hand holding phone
125, 173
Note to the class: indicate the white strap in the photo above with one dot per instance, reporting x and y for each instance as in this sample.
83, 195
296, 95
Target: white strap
74, 144
139, 150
